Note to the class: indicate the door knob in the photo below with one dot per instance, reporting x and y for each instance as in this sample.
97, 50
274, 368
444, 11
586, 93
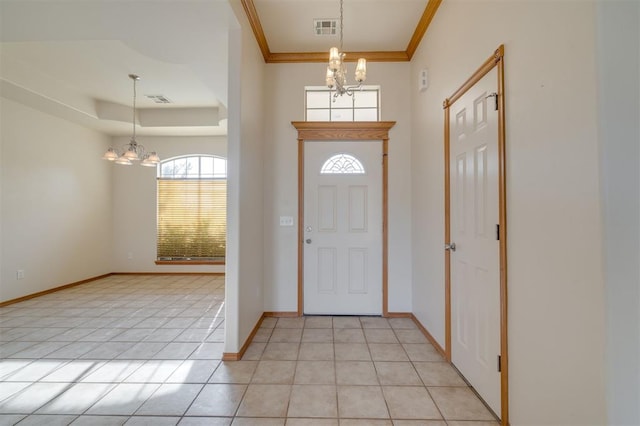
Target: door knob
450, 246
308, 241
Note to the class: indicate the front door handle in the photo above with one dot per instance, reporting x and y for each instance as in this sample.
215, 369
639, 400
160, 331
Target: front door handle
450, 246
308, 241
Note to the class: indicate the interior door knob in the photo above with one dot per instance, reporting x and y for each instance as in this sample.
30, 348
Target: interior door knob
450, 246
308, 241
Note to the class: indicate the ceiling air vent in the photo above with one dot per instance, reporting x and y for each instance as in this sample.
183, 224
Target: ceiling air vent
159, 99
325, 27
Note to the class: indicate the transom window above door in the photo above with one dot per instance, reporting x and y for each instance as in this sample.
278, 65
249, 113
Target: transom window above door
342, 164
320, 105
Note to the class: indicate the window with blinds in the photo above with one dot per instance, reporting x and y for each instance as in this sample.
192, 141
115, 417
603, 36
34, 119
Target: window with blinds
192, 209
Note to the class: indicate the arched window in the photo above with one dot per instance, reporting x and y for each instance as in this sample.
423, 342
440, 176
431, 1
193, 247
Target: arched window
342, 164
192, 209
194, 167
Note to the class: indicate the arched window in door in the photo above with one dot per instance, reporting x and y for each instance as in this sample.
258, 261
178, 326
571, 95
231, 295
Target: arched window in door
342, 163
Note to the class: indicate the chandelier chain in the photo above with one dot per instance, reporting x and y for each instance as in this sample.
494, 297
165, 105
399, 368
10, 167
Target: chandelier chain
341, 24
133, 151
134, 78
336, 75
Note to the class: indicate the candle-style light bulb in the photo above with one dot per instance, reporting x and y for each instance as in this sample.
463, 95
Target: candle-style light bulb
334, 59
330, 80
361, 70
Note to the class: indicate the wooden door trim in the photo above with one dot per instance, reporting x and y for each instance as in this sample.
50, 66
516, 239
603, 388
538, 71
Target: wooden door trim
496, 60
344, 131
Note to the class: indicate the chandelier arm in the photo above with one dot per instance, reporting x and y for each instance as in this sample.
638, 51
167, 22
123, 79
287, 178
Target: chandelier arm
341, 88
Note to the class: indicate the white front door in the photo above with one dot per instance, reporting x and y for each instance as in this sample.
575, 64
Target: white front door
343, 227
475, 263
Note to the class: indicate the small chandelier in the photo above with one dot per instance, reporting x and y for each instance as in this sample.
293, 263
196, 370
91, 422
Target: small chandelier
133, 151
337, 71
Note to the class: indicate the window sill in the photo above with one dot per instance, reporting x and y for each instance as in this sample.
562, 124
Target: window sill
190, 262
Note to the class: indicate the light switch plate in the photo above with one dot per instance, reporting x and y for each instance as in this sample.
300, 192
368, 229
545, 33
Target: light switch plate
286, 220
423, 82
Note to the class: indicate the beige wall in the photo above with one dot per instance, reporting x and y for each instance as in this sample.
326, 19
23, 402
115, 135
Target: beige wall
556, 304
56, 202
245, 257
619, 132
285, 95
89, 217
135, 202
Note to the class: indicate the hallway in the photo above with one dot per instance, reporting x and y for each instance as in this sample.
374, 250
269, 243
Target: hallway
146, 350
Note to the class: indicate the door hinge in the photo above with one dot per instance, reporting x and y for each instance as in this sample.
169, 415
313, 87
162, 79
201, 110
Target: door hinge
498, 231
499, 364
494, 95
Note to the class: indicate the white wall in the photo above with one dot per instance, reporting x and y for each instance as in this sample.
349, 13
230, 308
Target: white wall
135, 203
56, 202
619, 95
285, 95
556, 304
245, 257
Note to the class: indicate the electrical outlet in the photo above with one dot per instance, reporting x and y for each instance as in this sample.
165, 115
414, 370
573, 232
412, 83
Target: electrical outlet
129, 255
20, 274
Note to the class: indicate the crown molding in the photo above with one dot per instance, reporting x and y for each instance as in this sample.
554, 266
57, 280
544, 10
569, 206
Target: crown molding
299, 57
256, 26
306, 57
423, 25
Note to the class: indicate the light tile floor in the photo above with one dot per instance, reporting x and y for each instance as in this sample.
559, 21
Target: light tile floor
146, 350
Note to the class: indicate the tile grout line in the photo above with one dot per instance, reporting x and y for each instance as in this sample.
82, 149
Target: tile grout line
140, 304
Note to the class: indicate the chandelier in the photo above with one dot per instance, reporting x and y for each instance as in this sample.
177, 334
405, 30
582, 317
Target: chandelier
133, 151
337, 71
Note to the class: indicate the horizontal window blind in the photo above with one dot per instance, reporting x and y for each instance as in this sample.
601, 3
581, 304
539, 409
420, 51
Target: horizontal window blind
192, 219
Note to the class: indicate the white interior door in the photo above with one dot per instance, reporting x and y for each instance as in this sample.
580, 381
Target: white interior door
475, 263
343, 228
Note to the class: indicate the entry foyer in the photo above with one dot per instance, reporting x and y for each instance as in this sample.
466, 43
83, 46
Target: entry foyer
147, 349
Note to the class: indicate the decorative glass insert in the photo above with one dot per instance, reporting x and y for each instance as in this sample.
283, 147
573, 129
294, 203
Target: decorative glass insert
342, 164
